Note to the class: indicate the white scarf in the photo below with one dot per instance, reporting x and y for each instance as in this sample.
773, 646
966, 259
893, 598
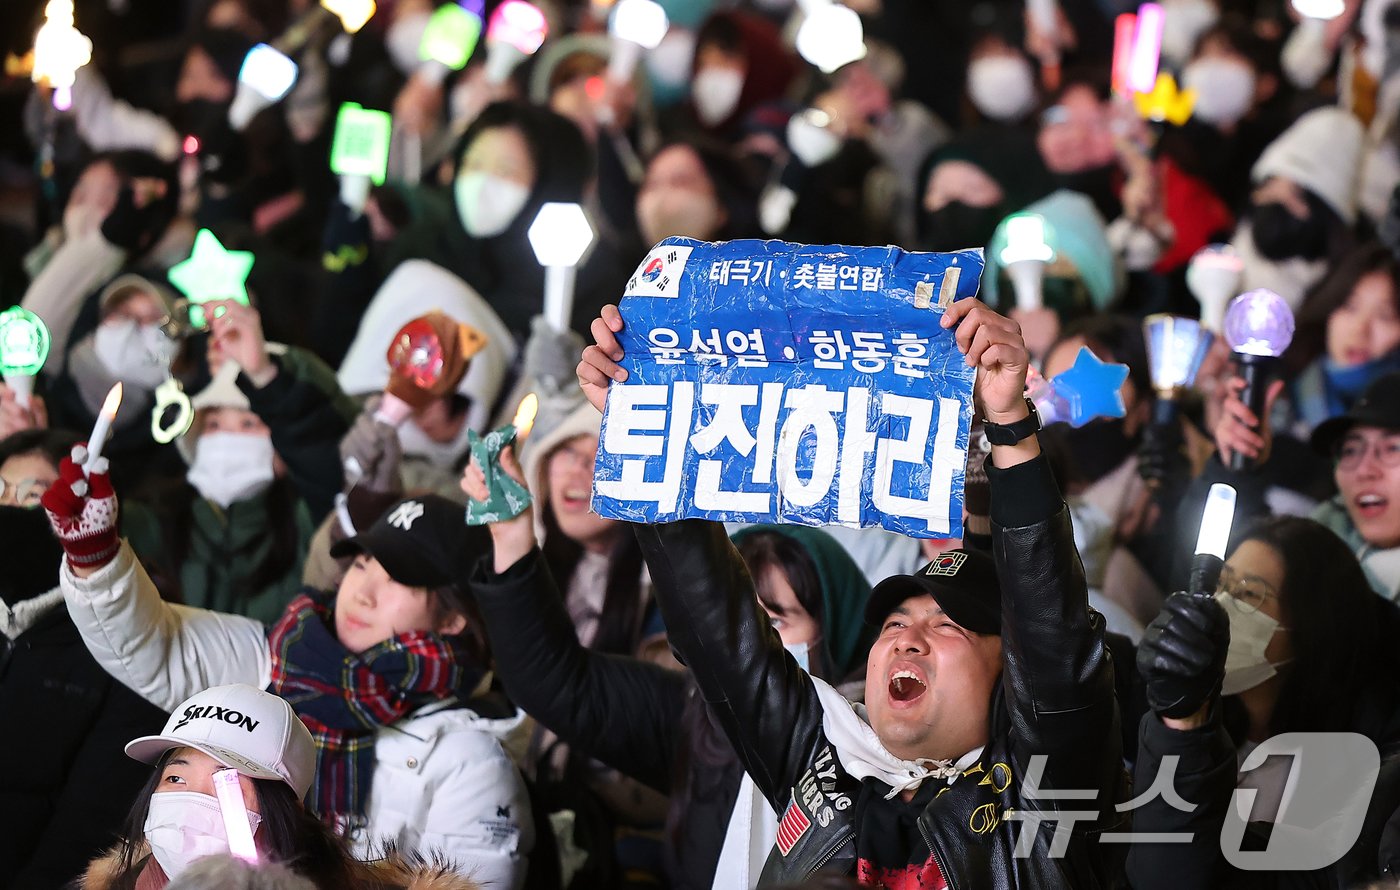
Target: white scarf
16, 619
753, 826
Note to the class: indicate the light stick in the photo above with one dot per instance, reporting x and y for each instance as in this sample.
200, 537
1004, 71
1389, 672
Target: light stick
59, 51
353, 14
1088, 389
212, 272
1320, 9
24, 347
266, 76
560, 235
1124, 27
1216, 521
1025, 257
1147, 48
171, 393
1259, 328
636, 25
1165, 103
516, 31
103, 426
831, 36
237, 827
1043, 14
1213, 278
451, 36
1176, 347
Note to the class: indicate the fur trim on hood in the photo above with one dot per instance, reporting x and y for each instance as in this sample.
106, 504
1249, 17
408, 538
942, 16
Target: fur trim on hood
392, 871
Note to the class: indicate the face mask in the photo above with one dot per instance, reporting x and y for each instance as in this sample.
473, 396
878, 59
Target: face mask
35, 554
663, 212
668, 66
487, 204
1001, 87
1098, 448
813, 145
135, 354
715, 93
1279, 235
231, 467
204, 119
183, 826
1184, 21
775, 208
956, 225
403, 39
442, 455
1349, 381
1224, 90
1250, 633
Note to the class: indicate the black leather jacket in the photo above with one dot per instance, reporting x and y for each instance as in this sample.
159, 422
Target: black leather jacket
1056, 698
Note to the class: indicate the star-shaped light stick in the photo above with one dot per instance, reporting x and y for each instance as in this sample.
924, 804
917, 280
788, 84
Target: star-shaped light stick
1088, 389
212, 273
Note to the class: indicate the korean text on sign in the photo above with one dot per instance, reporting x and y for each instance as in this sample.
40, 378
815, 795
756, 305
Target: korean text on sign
790, 383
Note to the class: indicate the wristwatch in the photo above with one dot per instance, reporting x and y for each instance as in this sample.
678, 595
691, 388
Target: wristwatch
1011, 433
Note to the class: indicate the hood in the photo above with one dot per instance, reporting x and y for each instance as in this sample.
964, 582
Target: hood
1079, 236
1006, 154
1322, 153
845, 590
415, 288
772, 67
558, 421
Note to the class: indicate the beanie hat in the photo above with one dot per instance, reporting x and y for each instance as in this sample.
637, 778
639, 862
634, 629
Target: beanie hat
225, 48
1076, 232
559, 420
1321, 152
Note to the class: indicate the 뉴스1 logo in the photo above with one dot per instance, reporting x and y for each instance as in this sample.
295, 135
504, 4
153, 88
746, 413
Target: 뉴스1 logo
947, 564
214, 712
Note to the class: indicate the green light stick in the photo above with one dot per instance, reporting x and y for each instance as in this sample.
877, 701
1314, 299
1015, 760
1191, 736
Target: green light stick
24, 347
212, 273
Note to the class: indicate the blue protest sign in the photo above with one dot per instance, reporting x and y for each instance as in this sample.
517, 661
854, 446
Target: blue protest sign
789, 383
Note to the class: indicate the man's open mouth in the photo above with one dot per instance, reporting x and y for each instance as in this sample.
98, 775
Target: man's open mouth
905, 686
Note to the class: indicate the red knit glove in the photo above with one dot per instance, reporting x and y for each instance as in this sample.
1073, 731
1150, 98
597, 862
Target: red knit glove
83, 511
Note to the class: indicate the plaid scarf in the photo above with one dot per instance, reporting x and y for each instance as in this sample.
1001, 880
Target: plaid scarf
343, 698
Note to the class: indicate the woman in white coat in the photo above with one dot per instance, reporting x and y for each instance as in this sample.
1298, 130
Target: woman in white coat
380, 672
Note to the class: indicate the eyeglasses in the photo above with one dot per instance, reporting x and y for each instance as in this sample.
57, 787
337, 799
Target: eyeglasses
1353, 450
1250, 592
22, 492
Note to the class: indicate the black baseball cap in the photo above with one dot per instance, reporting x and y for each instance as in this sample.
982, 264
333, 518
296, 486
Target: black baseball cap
1378, 406
421, 541
963, 582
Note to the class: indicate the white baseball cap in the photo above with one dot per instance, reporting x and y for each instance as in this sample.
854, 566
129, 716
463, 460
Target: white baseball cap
244, 728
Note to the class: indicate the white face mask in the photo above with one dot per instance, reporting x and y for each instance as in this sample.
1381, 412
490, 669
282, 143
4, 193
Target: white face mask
1224, 90
1250, 632
442, 455
684, 213
1184, 21
403, 38
183, 826
487, 204
812, 144
231, 467
716, 93
801, 652
135, 354
1002, 87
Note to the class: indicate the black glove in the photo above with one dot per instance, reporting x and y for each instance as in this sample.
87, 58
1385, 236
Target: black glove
1182, 655
1161, 462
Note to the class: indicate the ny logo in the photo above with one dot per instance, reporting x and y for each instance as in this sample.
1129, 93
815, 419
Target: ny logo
406, 514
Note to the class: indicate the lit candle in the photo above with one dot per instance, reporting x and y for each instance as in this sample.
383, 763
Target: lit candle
103, 426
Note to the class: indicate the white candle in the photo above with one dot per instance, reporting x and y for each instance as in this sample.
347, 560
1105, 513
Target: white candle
103, 426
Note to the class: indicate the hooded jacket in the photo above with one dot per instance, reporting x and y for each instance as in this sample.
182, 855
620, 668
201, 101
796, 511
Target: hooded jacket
442, 782
818, 762
629, 713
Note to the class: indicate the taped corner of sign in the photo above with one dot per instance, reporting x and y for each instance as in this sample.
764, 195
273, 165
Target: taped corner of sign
947, 290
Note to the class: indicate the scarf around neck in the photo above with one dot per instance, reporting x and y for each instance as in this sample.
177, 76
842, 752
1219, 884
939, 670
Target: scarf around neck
345, 697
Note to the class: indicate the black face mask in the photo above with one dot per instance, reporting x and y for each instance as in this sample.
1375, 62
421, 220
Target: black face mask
1098, 448
35, 554
1279, 235
957, 225
1097, 184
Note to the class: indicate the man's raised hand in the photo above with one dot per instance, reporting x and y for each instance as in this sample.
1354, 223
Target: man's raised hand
993, 344
599, 365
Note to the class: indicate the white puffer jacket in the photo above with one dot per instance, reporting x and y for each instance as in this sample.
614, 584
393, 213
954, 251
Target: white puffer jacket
442, 783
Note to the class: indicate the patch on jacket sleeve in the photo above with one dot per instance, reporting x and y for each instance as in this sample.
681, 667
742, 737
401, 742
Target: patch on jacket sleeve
794, 824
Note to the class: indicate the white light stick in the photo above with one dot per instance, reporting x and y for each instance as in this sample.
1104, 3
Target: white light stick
1216, 520
1320, 9
636, 25
59, 51
266, 76
1025, 256
103, 426
237, 826
560, 235
831, 37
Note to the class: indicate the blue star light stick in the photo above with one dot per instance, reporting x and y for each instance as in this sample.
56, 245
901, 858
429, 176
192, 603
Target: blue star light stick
1089, 389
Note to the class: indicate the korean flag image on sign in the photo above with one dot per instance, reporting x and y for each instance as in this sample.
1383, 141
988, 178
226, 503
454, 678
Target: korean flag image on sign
659, 274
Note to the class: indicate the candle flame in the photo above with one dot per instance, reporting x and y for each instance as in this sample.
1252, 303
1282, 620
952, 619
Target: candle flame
112, 402
525, 415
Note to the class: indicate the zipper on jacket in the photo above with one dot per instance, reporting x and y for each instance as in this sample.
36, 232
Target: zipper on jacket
933, 852
830, 854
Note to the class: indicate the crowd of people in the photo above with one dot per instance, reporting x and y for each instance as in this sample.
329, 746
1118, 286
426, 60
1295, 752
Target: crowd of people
265, 567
